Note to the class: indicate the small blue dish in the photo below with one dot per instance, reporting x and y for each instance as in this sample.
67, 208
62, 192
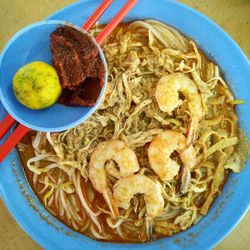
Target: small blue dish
33, 44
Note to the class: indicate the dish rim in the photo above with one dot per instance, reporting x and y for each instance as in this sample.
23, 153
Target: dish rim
246, 201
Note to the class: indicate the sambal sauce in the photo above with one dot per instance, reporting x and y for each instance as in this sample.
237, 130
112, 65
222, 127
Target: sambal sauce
78, 63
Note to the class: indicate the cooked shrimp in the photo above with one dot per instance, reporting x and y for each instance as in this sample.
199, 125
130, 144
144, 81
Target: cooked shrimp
188, 157
114, 150
167, 97
125, 188
160, 150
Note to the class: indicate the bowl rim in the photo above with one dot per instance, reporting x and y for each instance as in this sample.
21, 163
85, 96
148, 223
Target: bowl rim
86, 115
245, 202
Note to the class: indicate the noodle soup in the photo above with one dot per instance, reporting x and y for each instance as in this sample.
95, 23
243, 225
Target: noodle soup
151, 160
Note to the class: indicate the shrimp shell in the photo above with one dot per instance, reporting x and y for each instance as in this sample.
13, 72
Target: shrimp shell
125, 188
160, 149
115, 150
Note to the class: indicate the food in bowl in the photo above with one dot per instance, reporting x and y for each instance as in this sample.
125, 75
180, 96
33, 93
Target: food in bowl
152, 159
36, 85
76, 80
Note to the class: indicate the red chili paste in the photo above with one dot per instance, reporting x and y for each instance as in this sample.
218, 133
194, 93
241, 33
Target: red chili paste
79, 66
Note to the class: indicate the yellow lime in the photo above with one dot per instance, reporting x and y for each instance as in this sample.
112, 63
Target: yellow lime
36, 85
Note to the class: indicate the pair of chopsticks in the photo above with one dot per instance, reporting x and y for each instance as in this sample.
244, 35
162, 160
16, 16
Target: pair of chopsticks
21, 130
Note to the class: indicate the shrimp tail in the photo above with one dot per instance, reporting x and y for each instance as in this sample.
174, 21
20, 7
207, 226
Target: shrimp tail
185, 180
192, 131
108, 196
149, 228
146, 231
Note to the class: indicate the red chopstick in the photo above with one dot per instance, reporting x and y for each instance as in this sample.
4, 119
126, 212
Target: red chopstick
6, 124
96, 15
21, 130
12, 140
115, 21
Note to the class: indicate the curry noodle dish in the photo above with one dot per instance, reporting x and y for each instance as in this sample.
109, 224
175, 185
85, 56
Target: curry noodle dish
152, 159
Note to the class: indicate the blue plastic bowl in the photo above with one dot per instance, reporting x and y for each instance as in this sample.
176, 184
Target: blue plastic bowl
33, 44
228, 208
